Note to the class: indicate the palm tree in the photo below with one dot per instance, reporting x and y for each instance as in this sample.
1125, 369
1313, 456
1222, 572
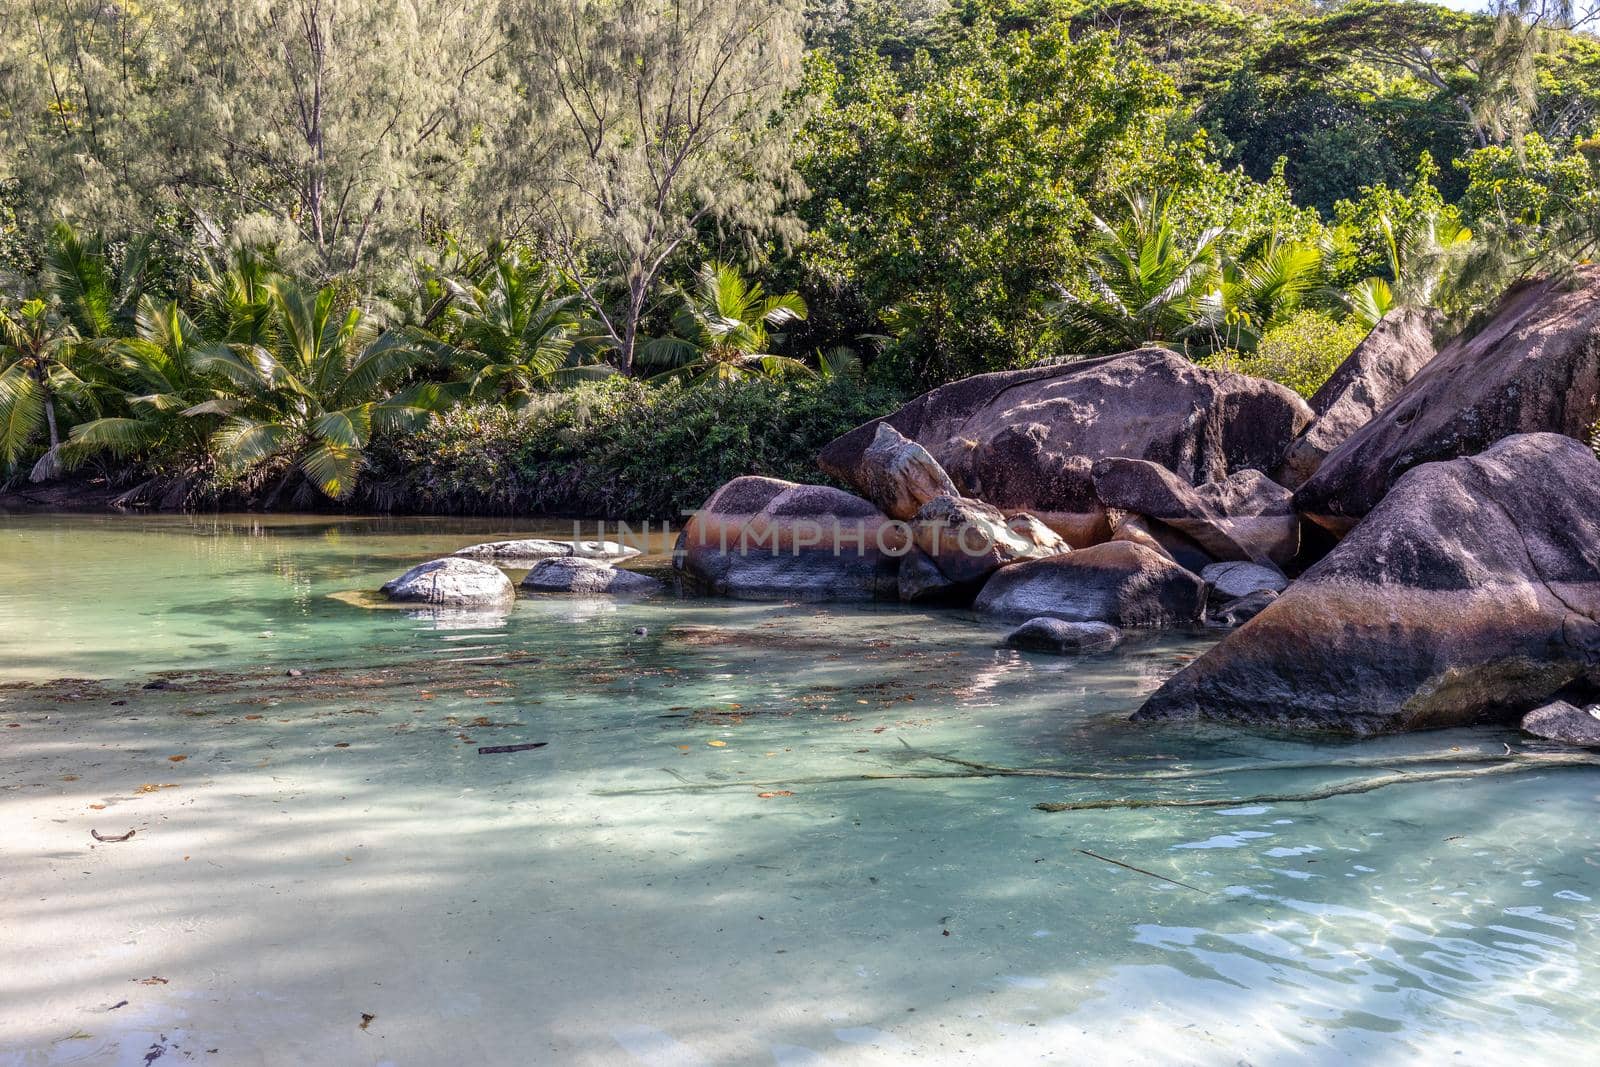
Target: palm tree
233, 299
1143, 286
172, 404
720, 330
306, 402
1425, 257
520, 332
94, 297
38, 352
1255, 292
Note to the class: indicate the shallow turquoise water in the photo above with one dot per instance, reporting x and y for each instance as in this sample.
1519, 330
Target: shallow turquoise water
332, 845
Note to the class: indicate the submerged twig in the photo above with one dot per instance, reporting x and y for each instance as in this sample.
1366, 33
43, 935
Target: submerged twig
1141, 870
110, 839
1518, 765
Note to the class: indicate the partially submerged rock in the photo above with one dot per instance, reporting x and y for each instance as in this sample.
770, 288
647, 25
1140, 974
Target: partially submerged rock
1470, 594
1399, 346
1534, 368
587, 577
1240, 610
763, 538
528, 551
1565, 722
897, 474
1246, 516
1046, 634
1120, 583
452, 582
1027, 440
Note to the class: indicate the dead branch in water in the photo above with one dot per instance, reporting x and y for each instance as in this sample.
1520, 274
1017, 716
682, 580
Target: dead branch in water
1521, 764
1497, 764
1147, 874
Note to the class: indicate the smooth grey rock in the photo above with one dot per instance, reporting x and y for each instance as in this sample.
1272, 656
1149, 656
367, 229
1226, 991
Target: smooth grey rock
1046, 634
1470, 594
1234, 579
587, 577
452, 582
1119, 582
1565, 722
531, 550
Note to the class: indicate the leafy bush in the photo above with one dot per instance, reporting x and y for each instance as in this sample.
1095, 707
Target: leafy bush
618, 449
1302, 353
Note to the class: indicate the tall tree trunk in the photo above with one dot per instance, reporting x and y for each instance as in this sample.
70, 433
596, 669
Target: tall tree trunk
50, 418
42, 380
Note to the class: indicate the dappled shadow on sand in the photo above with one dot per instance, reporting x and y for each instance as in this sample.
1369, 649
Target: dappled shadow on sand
332, 846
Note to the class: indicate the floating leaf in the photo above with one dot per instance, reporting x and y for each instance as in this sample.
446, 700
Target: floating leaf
717, 744
776, 793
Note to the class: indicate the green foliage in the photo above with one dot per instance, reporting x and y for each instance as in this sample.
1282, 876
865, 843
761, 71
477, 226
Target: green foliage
1526, 183
519, 330
1301, 352
721, 330
620, 449
951, 190
306, 403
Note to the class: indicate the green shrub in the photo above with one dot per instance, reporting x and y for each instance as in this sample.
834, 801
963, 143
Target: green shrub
618, 449
1302, 353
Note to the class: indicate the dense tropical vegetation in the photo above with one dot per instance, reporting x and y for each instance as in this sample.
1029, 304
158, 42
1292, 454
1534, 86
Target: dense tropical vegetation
600, 255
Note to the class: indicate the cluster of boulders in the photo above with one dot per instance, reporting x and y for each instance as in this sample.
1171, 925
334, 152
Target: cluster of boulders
475, 579
1437, 510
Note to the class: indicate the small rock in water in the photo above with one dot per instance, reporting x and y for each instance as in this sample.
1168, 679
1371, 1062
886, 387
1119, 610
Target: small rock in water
641, 631
1565, 722
294, 672
159, 683
1241, 610
453, 582
1046, 634
587, 577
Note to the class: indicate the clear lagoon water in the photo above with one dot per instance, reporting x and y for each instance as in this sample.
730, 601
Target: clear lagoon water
738, 844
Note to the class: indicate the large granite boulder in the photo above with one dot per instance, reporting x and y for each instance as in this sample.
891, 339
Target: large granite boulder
1399, 346
1469, 594
587, 577
525, 552
969, 540
452, 583
1119, 583
1027, 440
1245, 516
897, 474
763, 538
1535, 367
